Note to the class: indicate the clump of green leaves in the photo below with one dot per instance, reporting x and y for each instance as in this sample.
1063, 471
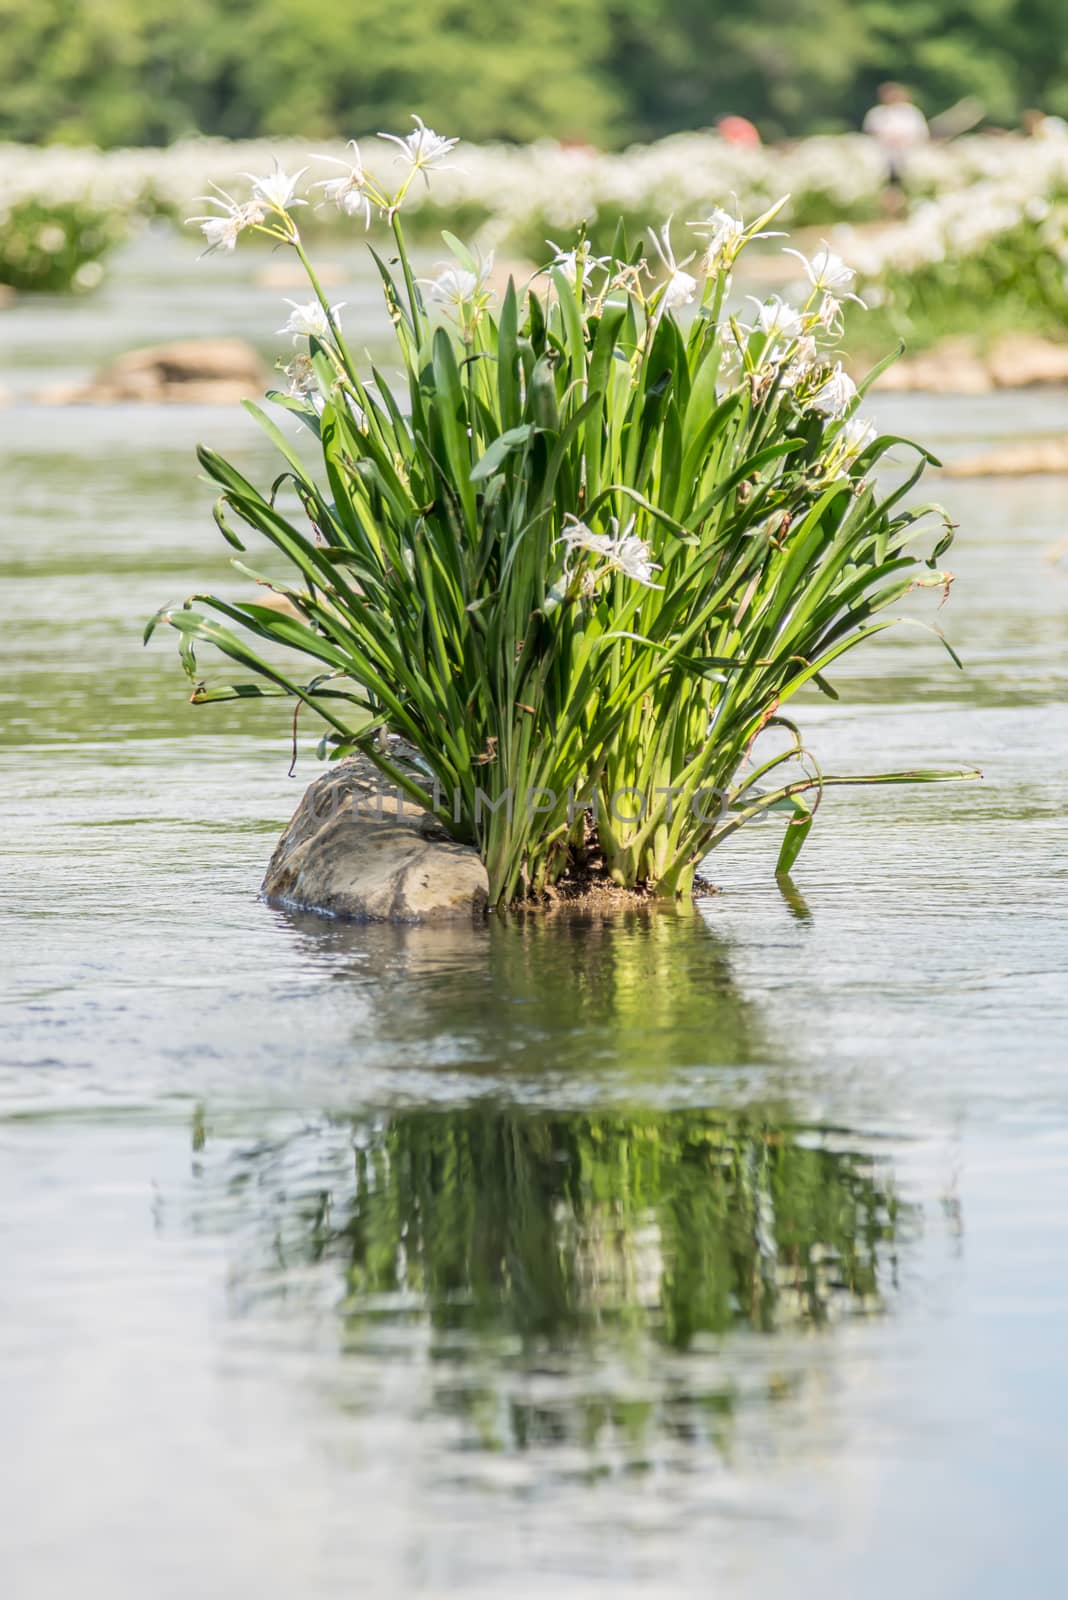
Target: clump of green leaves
583, 560
55, 245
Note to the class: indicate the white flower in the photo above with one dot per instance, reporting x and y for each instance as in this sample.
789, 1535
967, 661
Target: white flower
221, 232
348, 192
778, 320
856, 435
680, 290
680, 287
835, 395
454, 286
422, 148
620, 552
826, 272
303, 382
279, 189
310, 321
458, 286
577, 536
725, 238
632, 556
571, 262
804, 358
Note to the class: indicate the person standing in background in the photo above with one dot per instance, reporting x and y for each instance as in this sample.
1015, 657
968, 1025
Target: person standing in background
899, 128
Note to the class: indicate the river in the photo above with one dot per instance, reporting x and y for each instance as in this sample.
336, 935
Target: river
704, 1252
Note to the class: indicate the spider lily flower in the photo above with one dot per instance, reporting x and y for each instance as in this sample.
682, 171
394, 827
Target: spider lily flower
856, 435
310, 321
303, 381
462, 291
681, 286
835, 395
780, 322
804, 358
851, 440
422, 148
619, 552
631, 556
573, 262
726, 236
222, 231
348, 191
279, 189
827, 272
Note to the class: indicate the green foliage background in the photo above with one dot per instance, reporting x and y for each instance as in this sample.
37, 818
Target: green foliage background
147, 71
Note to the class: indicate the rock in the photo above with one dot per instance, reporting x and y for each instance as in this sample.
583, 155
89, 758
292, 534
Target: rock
189, 371
339, 857
955, 366
950, 367
1022, 360
1030, 457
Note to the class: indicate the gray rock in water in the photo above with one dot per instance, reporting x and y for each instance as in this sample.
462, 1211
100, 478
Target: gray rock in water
186, 371
352, 850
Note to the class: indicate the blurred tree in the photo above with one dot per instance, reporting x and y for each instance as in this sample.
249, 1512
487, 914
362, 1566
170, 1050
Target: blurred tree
115, 71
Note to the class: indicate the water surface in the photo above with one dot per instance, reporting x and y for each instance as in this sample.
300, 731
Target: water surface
667, 1255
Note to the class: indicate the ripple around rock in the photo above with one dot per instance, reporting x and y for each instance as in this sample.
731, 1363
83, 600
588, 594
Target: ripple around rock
352, 849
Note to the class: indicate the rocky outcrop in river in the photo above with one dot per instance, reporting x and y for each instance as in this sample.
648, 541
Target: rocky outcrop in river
352, 849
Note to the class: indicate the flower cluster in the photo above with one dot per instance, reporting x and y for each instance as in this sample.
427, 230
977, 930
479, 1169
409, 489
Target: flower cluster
781, 351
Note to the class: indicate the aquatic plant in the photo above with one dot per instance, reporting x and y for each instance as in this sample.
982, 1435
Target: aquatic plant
562, 588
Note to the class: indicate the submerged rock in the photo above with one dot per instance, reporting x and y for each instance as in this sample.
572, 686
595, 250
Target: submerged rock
1023, 360
353, 850
186, 371
958, 366
951, 367
1028, 458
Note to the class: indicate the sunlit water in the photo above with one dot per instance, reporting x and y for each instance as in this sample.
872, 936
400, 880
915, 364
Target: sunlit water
719, 1252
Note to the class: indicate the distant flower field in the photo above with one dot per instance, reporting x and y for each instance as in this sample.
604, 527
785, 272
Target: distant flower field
988, 217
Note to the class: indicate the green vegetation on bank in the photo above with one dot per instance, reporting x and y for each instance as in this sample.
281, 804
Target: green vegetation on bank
142, 72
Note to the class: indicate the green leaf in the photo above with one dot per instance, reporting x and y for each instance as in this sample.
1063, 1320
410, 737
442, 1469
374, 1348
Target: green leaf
502, 446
